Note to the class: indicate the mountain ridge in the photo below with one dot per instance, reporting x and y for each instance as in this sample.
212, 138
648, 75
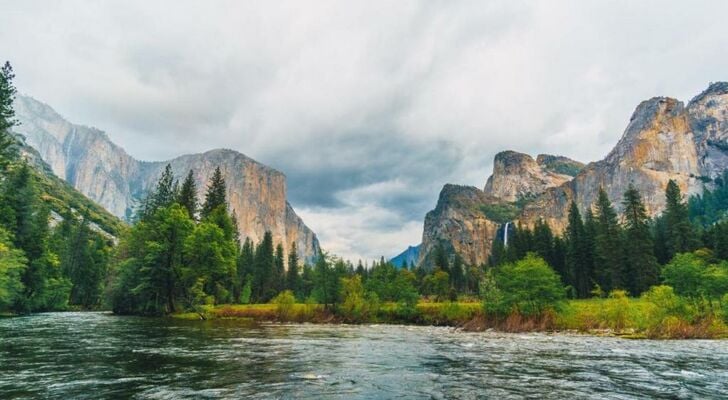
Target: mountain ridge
91, 162
664, 140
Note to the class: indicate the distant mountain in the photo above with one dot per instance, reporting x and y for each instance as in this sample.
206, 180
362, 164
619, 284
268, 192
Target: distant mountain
88, 160
664, 140
407, 257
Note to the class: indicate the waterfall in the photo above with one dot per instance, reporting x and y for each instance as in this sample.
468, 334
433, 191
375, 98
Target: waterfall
505, 235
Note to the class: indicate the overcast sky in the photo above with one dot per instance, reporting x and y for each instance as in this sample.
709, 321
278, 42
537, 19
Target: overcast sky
368, 107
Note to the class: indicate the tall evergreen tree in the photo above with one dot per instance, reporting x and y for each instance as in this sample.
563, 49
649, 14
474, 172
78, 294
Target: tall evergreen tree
188, 195
641, 265
293, 276
577, 260
245, 268
216, 192
164, 194
681, 236
280, 269
7, 116
543, 241
608, 246
440, 258
264, 266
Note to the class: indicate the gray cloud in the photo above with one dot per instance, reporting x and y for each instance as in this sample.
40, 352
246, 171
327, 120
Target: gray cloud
368, 108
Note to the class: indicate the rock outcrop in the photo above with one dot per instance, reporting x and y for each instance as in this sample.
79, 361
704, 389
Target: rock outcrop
87, 159
517, 175
664, 140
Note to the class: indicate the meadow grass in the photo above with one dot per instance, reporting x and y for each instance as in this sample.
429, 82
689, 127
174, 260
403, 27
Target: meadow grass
625, 317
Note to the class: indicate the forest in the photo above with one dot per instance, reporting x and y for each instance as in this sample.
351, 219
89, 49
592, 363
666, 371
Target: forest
180, 256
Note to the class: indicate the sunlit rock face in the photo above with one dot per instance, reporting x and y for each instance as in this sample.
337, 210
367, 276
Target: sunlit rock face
664, 140
517, 175
86, 158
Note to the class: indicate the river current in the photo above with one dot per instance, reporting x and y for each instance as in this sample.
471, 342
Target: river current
99, 355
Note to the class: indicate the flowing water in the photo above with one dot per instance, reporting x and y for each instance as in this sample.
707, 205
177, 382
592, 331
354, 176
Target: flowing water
98, 355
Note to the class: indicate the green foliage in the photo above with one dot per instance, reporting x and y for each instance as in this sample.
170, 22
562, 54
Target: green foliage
437, 284
216, 192
500, 212
694, 277
284, 302
712, 206
617, 310
187, 196
492, 296
84, 257
641, 266
7, 116
12, 266
246, 292
528, 286
358, 305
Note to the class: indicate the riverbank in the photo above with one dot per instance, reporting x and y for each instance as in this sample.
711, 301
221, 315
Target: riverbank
626, 317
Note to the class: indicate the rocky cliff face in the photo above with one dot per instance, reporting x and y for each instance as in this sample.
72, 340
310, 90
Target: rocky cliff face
87, 159
664, 140
517, 175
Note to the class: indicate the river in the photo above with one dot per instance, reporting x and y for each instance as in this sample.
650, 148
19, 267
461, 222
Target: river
99, 355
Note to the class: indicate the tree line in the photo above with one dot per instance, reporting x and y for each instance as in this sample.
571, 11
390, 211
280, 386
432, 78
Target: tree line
47, 262
600, 252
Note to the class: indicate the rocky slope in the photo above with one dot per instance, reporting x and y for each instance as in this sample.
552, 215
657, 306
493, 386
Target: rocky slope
664, 140
87, 159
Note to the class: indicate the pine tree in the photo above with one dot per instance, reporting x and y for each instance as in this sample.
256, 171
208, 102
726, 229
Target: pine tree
216, 192
641, 265
578, 269
188, 195
7, 116
279, 281
681, 236
457, 273
264, 266
440, 258
164, 194
293, 276
608, 246
543, 241
246, 266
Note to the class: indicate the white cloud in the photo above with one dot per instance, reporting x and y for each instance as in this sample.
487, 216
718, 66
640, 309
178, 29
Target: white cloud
370, 107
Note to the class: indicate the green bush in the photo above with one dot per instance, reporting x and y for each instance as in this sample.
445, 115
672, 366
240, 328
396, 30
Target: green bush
284, 302
617, 310
529, 287
357, 306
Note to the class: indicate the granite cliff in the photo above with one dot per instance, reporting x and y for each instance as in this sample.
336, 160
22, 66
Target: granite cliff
88, 160
664, 140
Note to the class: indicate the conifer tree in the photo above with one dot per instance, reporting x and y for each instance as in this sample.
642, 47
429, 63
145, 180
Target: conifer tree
293, 276
440, 258
457, 273
608, 246
264, 266
245, 266
164, 194
578, 269
280, 269
7, 116
216, 192
641, 265
680, 235
188, 195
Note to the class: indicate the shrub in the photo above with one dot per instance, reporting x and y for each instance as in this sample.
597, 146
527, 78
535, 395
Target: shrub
617, 310
358, 306
284, 304
529, 286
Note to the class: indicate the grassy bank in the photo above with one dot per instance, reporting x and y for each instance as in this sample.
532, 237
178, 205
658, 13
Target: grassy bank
626, 317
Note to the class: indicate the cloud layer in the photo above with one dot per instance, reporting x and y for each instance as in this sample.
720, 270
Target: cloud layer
369, 107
